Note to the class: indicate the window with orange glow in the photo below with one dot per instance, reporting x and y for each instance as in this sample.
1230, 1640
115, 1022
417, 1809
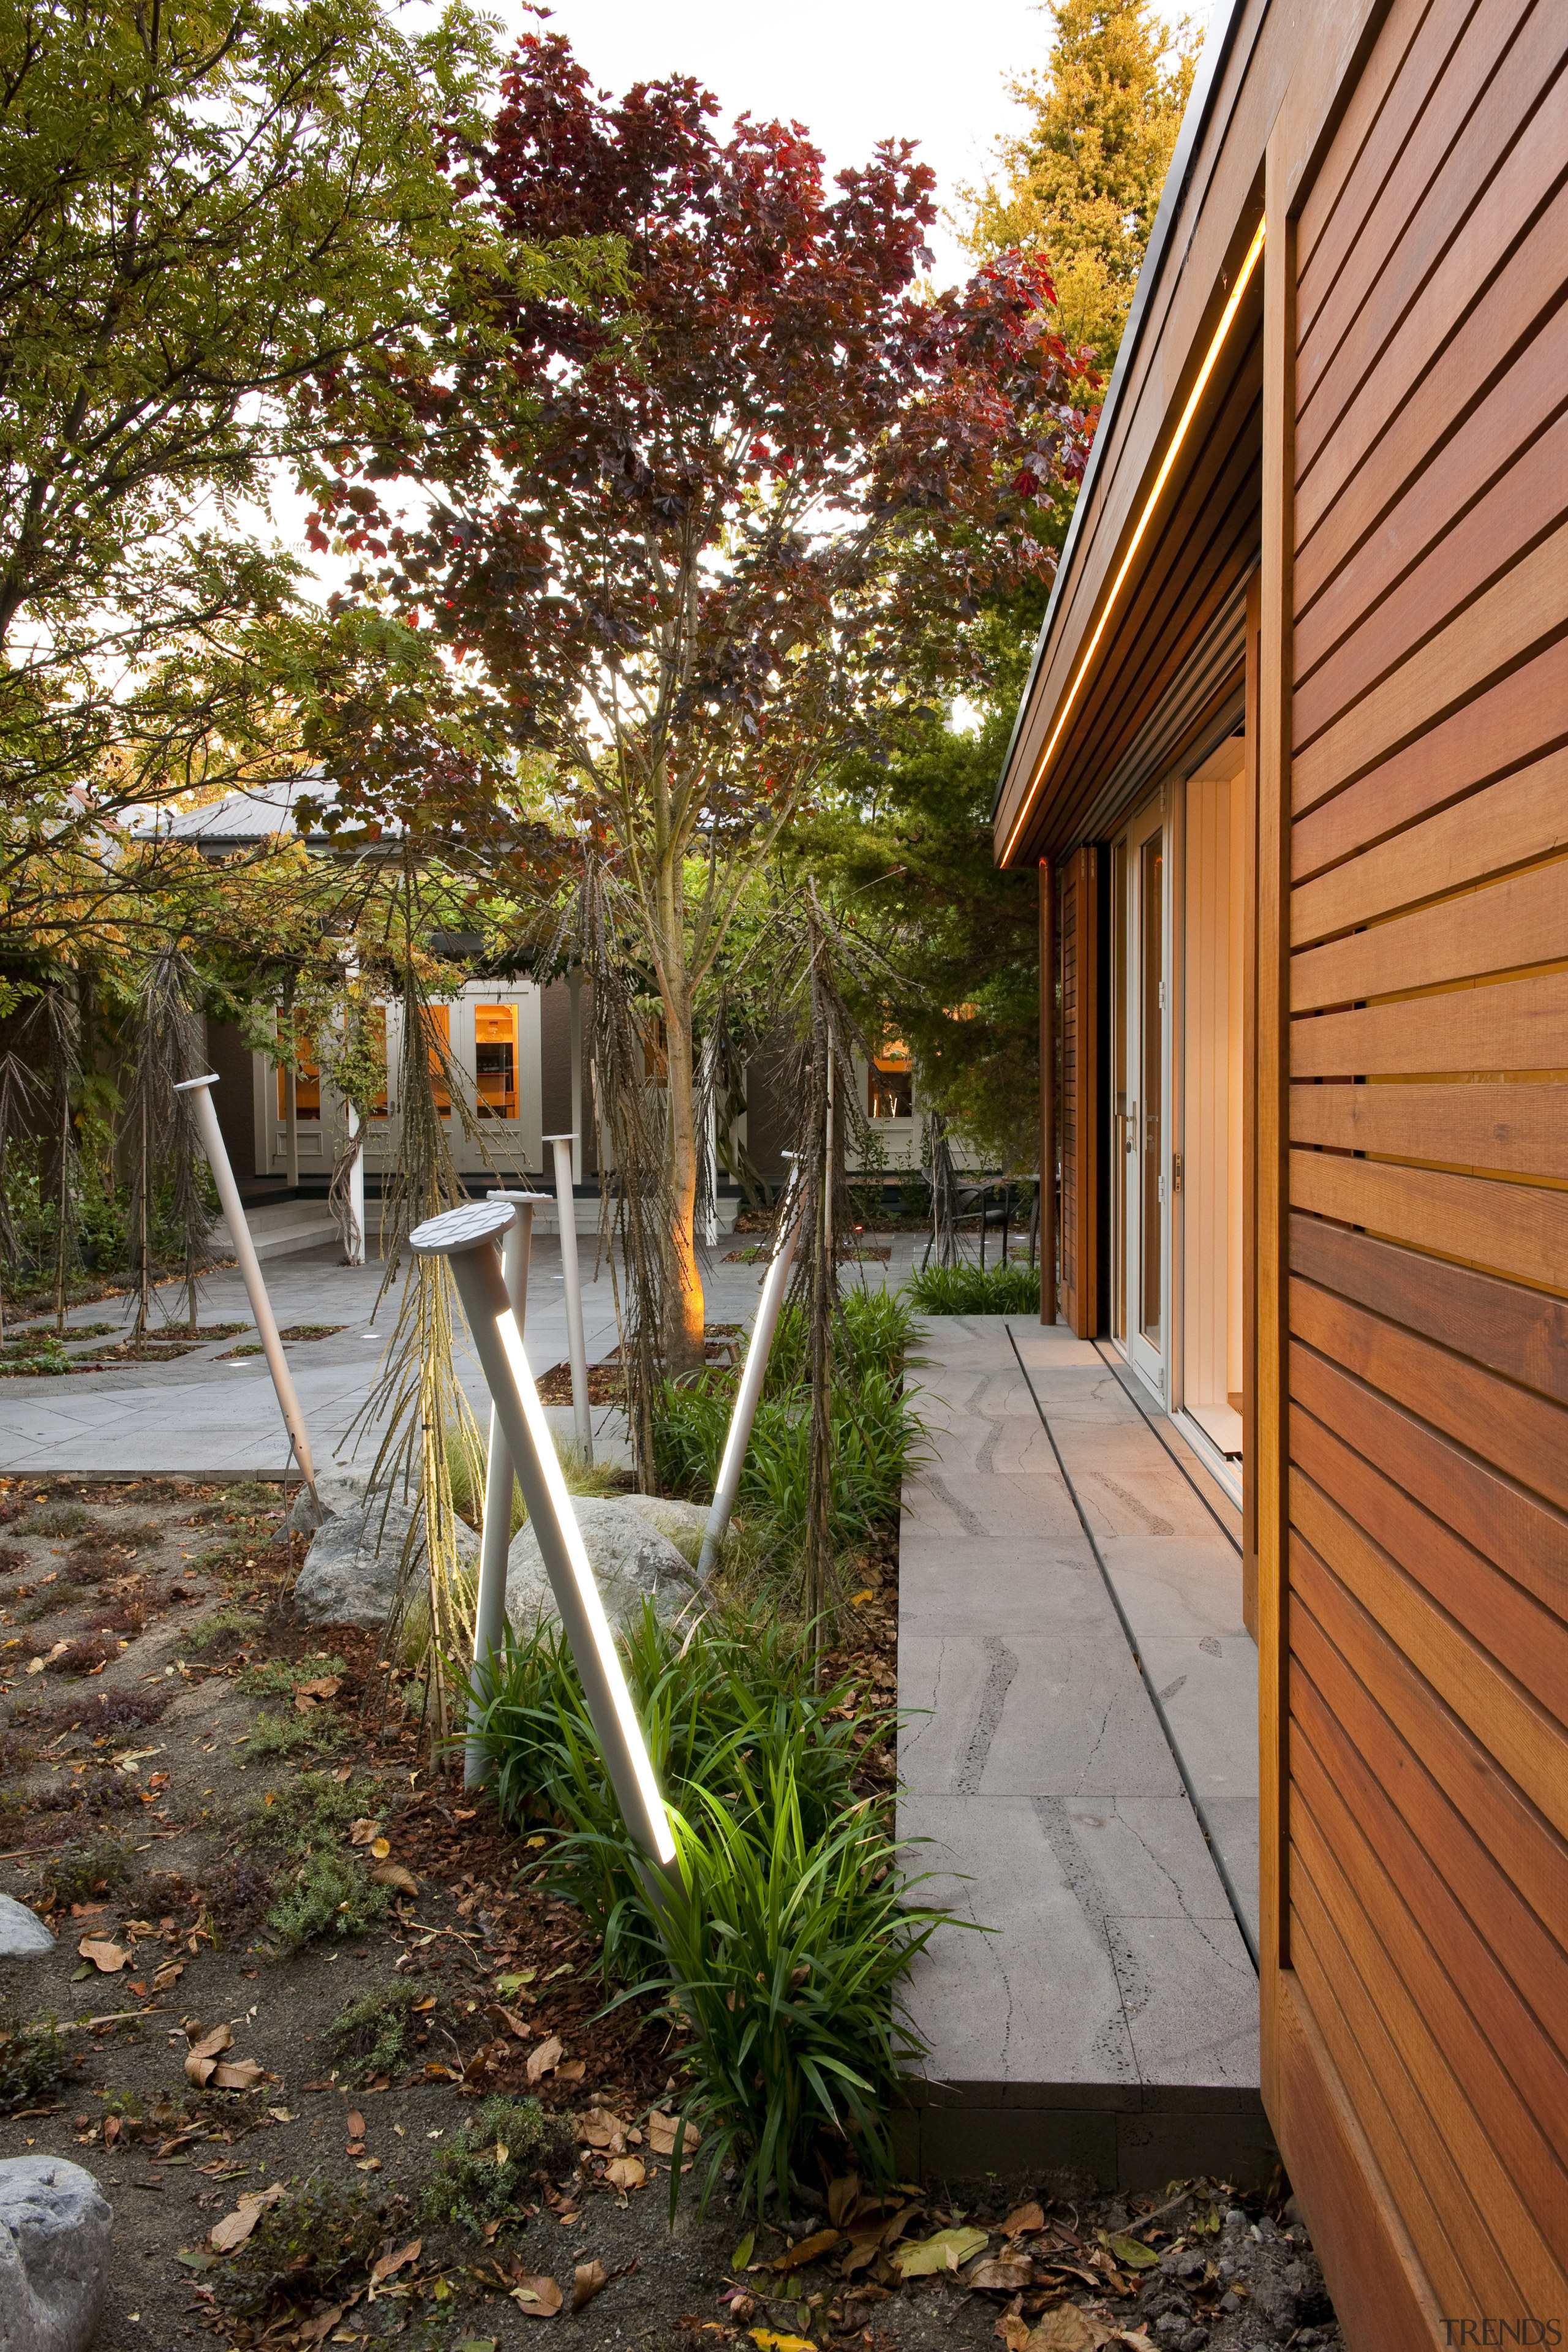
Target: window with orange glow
307, 1085
889, 1083
495, 1060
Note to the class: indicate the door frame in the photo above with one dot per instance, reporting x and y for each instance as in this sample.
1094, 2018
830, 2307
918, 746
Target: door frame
1157, 816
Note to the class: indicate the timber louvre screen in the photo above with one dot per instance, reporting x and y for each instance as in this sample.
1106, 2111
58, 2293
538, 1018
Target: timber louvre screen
1425, 1616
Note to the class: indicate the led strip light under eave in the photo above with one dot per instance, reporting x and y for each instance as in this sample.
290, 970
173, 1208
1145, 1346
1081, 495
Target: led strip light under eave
1211, 357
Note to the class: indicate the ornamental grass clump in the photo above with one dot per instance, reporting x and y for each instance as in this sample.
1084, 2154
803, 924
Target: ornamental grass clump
787, 1952
876, 1436
784, 1954
721, 1692
977, 1290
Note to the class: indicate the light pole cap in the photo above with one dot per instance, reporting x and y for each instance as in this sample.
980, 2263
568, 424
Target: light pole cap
540, 1200
475, 1225
559, 1139
186, 1085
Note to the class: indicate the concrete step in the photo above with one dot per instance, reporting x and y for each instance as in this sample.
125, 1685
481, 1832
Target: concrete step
278, 1229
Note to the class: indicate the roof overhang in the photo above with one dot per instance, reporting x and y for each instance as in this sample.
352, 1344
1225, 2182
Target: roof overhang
1142, 640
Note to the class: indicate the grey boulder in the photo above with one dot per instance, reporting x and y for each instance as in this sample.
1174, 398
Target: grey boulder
338, 1488
684, 1523
351, 1570
55, 2226
631, 1559
21, 1930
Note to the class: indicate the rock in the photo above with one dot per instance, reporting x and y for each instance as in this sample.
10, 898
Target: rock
685, 1523
350, 1571
630, 1557
21, 1930
55, 2226
338, 1488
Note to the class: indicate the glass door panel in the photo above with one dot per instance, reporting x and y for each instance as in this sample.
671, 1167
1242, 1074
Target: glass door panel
1152, 1047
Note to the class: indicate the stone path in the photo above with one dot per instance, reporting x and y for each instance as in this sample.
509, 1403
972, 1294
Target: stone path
1109, 2024
199, 1417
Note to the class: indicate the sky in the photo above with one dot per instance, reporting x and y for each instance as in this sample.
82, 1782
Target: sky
853, 71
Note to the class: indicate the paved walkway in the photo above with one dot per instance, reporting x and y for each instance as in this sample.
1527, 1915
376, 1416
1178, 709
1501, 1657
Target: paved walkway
202, 1417
1109, 2025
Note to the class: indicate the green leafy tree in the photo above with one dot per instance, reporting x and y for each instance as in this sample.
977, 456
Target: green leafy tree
206, 208
1081, 183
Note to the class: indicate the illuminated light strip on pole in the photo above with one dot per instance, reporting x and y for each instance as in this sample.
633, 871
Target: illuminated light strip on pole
490, 1600
468, 1236
1211, 356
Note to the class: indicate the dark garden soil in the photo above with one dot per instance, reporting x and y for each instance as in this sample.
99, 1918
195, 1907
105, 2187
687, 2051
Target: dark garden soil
146, 1634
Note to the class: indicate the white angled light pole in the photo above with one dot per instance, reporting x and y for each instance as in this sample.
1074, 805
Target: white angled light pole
576, 1346
468, 1238
759, 1347
490, 1603
205, 1110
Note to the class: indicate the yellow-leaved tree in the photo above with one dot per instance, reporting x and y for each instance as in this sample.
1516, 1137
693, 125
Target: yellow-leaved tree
1081, 181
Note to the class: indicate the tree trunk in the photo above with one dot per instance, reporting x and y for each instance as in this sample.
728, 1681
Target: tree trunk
684, 1306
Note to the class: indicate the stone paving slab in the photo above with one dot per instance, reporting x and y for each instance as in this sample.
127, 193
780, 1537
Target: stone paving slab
1109, 2022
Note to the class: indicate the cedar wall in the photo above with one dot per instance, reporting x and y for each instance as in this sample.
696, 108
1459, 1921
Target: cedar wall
1425, 1819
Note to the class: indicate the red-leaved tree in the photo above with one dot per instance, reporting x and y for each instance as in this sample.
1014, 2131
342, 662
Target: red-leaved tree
705, 536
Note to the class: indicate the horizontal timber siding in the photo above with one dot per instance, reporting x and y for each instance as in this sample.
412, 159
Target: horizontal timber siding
1426, 1609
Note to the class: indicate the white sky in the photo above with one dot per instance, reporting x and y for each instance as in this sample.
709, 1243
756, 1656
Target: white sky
852, 71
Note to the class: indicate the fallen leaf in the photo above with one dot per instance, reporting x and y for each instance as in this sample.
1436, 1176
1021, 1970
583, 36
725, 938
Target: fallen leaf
1068, 2329
1136, 2340
537, 2298
626, 2172
281, 2116
235, 2227
603, 2129
168, 1976
1134, 2253
744, 2251
315, 2331
106, 1957
662, 2132
390, 2262
771, 2342
1022, 2219
325, 1686
355, 2124
810, 2249
573, 2070
545, 2059
514, 1980
1003, 2274
924, 2257
362, 1831
422, 2008
587, 2281
201, 2060
1014, 2331
391, 1873
381, 1847
238, 2075
843, 2196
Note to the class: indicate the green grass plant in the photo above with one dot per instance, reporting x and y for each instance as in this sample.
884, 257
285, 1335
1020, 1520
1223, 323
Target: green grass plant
797, 1923
977, 1290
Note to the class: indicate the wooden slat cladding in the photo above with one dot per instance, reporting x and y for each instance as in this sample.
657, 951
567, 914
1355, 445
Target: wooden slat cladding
1427, 1610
